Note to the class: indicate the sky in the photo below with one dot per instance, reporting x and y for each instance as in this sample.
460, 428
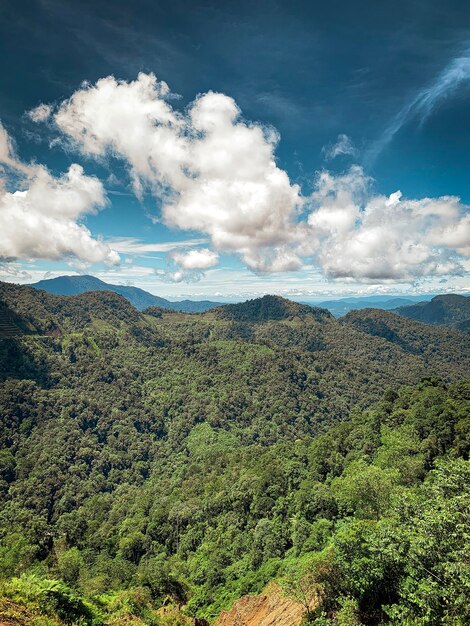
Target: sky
232, 149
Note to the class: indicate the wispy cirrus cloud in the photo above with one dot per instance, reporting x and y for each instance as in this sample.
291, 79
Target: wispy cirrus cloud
456, 72
134, 246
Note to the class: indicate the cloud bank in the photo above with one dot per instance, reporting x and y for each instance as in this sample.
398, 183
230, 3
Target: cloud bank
371, 237
39, 219
215, 174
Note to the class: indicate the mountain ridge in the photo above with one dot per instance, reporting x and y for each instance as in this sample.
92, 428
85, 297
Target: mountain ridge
341, 306
141, 299
443, 310
269, 320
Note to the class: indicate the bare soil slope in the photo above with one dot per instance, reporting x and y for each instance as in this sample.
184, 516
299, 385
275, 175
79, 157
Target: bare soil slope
270, 608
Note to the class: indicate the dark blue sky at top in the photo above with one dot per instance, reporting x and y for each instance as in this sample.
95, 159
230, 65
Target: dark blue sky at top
311, 69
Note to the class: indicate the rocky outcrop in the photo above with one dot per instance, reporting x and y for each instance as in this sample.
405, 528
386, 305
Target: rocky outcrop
270, 608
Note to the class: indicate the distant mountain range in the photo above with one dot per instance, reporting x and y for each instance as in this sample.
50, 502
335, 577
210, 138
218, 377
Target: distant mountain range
75, 285
448, 310
341, 306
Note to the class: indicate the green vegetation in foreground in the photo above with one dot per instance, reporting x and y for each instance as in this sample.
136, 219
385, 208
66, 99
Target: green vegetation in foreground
189, 460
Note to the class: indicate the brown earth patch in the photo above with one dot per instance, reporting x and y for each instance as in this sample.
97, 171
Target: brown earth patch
270, 608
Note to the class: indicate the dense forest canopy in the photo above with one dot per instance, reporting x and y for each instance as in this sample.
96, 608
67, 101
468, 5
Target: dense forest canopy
157, 458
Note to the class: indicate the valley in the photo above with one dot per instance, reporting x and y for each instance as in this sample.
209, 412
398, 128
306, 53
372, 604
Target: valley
158, 466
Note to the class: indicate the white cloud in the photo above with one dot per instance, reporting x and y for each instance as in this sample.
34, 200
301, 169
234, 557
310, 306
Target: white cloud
8, 157
188, 266
215, 173
363, 236
196, 259
281, 259
39, 219
343, 146
179, 275
40, 113
131, 120
131, 245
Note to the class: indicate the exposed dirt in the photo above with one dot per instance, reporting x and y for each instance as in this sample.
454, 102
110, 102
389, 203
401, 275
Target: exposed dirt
270, 608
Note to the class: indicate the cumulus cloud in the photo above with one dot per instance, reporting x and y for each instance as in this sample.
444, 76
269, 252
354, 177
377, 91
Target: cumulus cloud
214, 172
188, 266
201, 259
7, 155
39, 219
179, 275
363, 236
343, 146
40, 113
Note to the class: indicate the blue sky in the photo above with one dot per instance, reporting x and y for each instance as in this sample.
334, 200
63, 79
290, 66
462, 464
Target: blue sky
352, 101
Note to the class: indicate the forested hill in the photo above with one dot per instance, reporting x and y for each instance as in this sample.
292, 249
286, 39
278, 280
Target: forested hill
75, 285
270, 308
162, 458
49, 314
451, 310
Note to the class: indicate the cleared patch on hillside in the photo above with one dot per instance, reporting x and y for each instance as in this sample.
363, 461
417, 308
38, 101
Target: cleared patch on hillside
270, 608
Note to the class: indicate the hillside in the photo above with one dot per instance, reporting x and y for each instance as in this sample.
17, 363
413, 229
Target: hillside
155, 465
74, 285
11, 324
409, 334
47, 313
448, 310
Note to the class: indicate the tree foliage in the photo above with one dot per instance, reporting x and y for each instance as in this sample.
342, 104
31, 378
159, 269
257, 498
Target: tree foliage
148, 460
